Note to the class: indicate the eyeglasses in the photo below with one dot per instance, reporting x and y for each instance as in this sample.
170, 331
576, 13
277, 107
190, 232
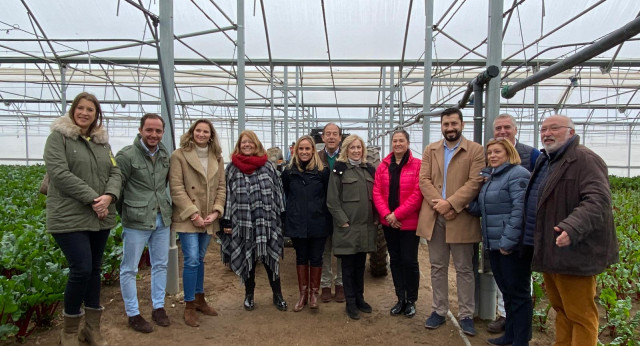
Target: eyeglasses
554, 128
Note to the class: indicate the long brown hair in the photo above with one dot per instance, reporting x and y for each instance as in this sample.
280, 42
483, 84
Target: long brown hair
97, 122
187, 143
315, 159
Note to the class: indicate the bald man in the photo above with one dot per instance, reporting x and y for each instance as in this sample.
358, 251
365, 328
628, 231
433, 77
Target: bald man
569, 222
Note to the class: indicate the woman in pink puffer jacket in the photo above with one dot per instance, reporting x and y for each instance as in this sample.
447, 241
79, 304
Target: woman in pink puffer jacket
397, 197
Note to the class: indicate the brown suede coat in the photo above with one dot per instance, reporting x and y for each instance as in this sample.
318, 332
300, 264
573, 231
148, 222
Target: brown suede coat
463, 184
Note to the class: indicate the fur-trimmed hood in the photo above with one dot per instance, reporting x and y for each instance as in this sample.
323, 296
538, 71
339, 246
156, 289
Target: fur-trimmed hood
67, 128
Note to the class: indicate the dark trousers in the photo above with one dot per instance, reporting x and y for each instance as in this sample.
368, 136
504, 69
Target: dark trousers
353, 276
83, 251
250, 283
309, 251
513, 276
403, 254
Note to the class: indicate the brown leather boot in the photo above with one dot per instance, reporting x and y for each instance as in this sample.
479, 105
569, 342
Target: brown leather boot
340, 298
326, 295
69, 332
202, 306
190, 316
303, 285
314, 277
90, 333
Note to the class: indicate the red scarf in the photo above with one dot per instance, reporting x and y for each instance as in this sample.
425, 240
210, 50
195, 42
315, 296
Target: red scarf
248, 164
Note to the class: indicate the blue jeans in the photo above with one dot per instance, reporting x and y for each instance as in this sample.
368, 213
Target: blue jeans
83, 251
194, 248
133, 242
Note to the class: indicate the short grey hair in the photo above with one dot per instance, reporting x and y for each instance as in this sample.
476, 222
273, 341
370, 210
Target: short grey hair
505, 116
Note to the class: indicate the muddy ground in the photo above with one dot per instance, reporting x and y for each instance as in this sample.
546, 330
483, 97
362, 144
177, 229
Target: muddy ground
265, 325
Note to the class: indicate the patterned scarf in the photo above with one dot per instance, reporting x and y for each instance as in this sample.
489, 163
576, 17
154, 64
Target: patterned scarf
253, 207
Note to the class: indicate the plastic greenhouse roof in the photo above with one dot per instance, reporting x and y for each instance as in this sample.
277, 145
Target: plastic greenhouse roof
345, 52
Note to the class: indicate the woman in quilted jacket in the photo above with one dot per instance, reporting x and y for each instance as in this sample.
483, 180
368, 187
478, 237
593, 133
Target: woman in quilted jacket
501, 203
397, 197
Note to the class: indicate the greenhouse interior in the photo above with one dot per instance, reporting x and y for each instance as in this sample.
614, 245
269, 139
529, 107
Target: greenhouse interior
285, 67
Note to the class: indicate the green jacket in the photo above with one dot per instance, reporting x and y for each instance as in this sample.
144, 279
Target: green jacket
350, 200
79, 170
144, 186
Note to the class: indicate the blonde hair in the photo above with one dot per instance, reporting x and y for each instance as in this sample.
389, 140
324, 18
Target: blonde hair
187, 143
315, 159
512, 154
345, 145
260, 151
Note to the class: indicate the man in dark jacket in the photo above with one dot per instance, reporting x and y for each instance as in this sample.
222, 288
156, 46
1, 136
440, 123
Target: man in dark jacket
569, 215
145, 209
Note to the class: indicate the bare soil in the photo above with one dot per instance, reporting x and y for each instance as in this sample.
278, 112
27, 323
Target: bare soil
265, 325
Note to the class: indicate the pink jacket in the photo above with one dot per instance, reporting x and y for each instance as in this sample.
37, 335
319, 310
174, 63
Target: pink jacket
410, 195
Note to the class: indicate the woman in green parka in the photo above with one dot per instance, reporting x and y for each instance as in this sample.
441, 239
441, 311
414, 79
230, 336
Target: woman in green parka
349, 199
84, 185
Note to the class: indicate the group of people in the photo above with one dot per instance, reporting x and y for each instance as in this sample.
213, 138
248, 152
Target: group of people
556, 220
547, 211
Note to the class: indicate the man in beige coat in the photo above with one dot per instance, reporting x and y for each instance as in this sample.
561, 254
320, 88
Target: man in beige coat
449, 180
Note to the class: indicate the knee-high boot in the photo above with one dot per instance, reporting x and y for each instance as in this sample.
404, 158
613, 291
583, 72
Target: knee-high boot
303, 285
315, 276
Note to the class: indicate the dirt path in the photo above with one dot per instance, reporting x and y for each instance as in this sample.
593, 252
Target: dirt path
267, 326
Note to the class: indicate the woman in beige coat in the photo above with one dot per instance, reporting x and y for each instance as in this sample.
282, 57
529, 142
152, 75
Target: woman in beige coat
198, 191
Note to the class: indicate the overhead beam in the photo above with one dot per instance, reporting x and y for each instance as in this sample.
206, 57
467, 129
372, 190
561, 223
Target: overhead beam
308, 62
266, 105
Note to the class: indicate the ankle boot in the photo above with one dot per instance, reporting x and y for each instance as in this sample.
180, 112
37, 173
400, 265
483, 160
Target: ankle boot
303, 285
315, 275
90, 333
202, 306
69, 332
190, 316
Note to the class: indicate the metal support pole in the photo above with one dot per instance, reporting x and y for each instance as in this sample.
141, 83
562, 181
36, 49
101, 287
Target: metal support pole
167, 111
297, 102
273, 117
494, 58
63, 88
486, 289
478, 91
628, 152
240, 73
536, 125
285, 100
428, 62
392, 100
383, 149
26, 138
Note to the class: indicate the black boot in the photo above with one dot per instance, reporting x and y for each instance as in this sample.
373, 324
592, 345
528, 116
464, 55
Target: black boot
249, 286
278, 300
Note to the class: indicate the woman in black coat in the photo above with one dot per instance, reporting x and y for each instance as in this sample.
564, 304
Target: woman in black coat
305, 186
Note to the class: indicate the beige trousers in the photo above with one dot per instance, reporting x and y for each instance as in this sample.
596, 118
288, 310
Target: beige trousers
462, 254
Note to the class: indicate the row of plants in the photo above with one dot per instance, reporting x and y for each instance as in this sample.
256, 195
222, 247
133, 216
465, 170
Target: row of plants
33, 269
619, 285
